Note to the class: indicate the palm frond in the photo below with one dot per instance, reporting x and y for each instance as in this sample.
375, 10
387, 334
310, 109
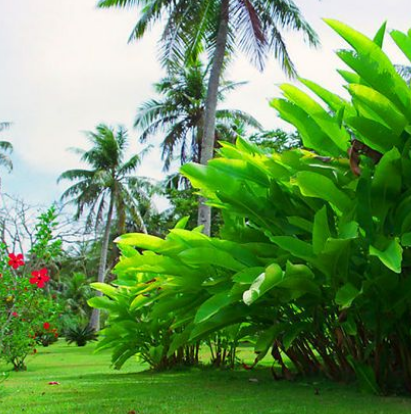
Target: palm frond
251, 38
404, 72
78, 174
119, 3
6, 162
232, 115
4, 125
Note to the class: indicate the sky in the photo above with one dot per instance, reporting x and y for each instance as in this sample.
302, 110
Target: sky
66, 66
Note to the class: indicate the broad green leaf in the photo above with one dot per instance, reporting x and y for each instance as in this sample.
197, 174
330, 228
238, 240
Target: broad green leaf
227, 316
265, 282
326, 122
349, 77
312, 135
301, 223
374, 66
266, 340
403, 42
101, 302
179, 340
240, 169
321, 230
346, 295
379, 37
374, 134
248, 275
106, 289
386, 185
182, 223
141, 240
391, 257
348, 230
296, 247
213, 305
139, 301
406, 240
298, 270
365, 376
317, 185
334, 102
381, 105
292, 333
210, 256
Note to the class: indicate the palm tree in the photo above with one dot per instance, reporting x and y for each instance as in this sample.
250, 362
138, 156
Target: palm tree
405, 72
179, 113
107, 189
5, 149
219, 27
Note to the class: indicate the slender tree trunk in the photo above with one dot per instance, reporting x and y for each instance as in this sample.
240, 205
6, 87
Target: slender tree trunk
95, 315
207, 143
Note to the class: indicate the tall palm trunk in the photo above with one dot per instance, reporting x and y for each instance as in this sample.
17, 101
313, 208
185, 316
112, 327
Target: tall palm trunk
95, 315
207, 143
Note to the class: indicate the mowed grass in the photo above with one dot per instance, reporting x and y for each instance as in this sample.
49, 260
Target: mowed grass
89, 386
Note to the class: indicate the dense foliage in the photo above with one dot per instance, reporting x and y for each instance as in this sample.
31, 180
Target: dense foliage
315, 252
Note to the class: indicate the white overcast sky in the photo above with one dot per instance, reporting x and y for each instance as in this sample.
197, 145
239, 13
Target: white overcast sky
65, 66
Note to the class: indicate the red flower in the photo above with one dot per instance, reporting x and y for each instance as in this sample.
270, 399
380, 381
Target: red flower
40, 277
15, 261
15, 314
46, 326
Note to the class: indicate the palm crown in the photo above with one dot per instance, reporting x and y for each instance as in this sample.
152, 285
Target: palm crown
179, 113
109, 179
255, 26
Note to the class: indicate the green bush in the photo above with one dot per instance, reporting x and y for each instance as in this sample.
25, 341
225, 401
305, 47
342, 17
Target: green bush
314, 258
27, 309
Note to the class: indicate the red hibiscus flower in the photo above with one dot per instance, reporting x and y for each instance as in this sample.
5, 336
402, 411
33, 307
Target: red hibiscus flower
15, 261
15, 314
40, 278
46, 326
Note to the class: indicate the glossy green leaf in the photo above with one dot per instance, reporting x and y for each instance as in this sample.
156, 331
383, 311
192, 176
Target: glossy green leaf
346, 295
316, 185
272, 276
391, 257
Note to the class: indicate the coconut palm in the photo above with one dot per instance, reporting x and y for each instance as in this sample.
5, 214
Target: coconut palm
219, 27
107, 190
405, 72
5, 149
179, 113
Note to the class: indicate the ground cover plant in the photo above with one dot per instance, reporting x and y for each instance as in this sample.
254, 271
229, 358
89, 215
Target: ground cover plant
87, 385
312, 263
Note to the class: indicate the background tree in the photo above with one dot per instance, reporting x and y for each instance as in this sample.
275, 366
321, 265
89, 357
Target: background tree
180, 111
107, 189
5, 149
219, 27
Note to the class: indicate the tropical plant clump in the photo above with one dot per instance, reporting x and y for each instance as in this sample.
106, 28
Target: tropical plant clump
313, 263
81, 335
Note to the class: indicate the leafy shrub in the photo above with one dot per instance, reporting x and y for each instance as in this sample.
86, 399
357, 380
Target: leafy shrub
314, 258
80, 335
26, 307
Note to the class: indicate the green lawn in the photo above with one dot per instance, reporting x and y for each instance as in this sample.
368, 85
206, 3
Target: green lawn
89, 386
